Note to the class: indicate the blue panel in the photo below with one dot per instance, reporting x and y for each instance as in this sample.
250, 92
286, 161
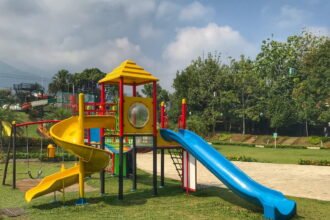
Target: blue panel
274, 203
95, 135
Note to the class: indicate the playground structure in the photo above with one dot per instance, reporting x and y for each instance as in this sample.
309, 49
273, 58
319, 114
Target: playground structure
120, 125
11, 130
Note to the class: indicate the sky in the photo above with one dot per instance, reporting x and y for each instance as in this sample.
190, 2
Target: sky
43, 36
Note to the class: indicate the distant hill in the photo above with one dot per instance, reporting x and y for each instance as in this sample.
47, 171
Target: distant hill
10, 75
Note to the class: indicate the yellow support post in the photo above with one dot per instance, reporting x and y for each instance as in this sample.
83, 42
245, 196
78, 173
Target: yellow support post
81, 119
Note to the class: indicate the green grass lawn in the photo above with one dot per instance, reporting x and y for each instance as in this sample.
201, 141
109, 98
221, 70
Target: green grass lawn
171, 203
271, 155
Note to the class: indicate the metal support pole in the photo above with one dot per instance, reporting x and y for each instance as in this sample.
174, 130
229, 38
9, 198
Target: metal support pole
102, 176
134, 164
14, 156
121, 138
81, 121
162, 166
120, 178
154, 147
8, 156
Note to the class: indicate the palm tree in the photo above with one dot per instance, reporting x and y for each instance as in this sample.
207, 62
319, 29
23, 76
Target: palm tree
60, 81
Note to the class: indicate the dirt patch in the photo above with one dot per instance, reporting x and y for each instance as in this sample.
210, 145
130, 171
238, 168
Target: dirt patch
295, 180
251, 140
290, 141
11, 212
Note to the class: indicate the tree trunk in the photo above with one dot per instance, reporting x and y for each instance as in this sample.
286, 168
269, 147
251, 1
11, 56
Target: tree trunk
306, 127
243, 119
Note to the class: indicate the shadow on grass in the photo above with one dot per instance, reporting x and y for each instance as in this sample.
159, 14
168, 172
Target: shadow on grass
144, 193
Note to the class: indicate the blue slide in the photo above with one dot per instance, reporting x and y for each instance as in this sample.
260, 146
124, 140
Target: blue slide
274, 203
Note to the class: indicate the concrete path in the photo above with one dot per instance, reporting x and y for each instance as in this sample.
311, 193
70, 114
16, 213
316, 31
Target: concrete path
294, 180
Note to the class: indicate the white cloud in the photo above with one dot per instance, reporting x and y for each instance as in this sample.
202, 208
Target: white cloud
166, 9
148, 31
195, 11
192, 42
319, 30
291, 17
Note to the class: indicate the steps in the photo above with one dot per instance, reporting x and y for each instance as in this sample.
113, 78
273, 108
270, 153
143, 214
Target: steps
176, 156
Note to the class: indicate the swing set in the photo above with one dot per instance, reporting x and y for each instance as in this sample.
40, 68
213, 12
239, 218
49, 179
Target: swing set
12, 148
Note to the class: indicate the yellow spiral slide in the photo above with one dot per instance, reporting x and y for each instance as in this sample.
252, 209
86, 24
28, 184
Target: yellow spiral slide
69, 134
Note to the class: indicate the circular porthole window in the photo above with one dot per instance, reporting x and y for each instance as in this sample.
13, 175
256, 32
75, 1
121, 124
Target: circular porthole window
138, 115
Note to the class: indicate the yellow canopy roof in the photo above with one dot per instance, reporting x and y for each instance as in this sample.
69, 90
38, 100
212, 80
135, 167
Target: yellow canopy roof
131, 72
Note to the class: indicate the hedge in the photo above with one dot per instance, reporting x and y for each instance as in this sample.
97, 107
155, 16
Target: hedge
265, 145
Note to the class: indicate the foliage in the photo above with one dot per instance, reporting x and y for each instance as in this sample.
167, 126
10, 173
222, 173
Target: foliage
196, 124
60, 82
224, 136
315, 162
85, 81
57, 113
242, 158
287, 84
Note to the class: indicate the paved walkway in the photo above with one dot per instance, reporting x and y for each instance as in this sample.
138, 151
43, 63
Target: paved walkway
294, 180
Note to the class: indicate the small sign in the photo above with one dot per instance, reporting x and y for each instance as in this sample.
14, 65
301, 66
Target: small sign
274, 135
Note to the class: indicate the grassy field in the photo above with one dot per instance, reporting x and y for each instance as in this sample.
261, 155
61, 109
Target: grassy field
270, 155
172, 203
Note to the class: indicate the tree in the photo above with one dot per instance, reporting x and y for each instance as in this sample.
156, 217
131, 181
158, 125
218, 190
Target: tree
56, 113
60, 82
162, 94
247, 89
198, 84
87, 80
316, 68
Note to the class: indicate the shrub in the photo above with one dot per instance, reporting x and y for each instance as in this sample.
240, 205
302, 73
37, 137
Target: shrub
242, 158
224, 136
314, 140
314, 162
197, 125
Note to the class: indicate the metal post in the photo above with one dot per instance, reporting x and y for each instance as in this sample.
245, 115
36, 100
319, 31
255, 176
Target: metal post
102, 138
134, 164
162, 125
14, 156
81, 119
8, 156
154, 147
102, 177
162, 166
134, 150
121, 138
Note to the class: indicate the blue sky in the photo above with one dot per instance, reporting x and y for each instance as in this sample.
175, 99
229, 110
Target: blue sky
43, 36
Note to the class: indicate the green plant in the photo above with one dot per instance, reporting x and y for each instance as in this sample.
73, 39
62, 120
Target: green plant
242, 158
315, 162
314, 140
196, 124
224, 136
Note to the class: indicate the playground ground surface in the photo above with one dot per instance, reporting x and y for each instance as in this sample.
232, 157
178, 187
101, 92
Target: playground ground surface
207, 203
295, 180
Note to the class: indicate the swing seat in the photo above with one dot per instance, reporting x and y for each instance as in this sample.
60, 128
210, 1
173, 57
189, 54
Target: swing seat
38, 174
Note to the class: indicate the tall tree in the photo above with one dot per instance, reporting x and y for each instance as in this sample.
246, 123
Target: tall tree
60, 82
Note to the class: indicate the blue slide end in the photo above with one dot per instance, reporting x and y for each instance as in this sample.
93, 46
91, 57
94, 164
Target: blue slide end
274, 203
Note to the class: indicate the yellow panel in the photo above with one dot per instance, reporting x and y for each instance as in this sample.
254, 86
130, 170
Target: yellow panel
131, 73
128, 127
162, 143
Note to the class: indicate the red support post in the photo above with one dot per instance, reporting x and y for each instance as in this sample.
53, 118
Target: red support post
162, 115
102, 105
183, 114
121, 139
134, 90
183, 119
